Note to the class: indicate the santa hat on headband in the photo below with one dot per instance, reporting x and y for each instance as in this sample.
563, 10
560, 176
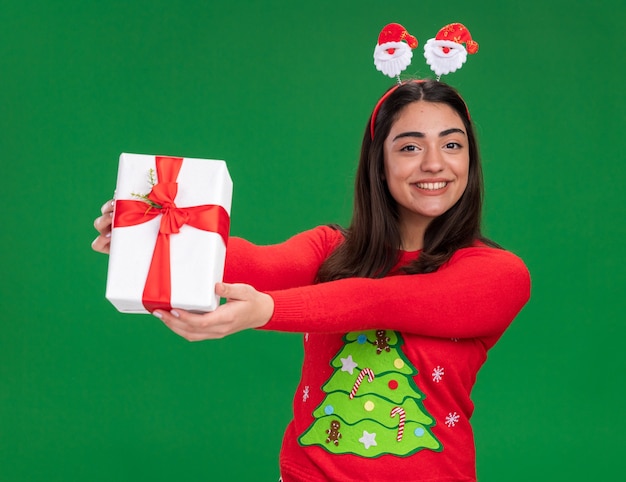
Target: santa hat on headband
446, 53
393, 52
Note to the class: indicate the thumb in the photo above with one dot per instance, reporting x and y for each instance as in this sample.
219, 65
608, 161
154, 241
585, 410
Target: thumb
231, 291
221, 289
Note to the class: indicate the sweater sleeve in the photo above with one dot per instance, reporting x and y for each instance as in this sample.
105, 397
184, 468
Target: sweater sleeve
477, 293
289, 264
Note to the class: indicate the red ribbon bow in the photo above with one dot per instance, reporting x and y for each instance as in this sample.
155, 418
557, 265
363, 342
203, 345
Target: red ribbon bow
208, 217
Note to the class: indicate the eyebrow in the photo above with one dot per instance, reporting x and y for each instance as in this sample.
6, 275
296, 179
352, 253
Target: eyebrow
422, 135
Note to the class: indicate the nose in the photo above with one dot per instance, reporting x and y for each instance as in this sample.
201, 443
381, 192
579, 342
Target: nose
432, 161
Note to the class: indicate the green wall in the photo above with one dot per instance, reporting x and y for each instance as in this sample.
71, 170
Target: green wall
282, 91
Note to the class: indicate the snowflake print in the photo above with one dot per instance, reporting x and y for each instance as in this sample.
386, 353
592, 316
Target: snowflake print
305, 394
306, 337
437, 374
452, 419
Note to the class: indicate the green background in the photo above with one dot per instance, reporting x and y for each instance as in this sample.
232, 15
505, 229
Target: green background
282, 91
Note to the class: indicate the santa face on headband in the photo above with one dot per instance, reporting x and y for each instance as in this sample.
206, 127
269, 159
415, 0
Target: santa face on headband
444, 56
392, 58
445, 53
393, 52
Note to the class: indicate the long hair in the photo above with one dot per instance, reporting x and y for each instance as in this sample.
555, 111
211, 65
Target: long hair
372, 241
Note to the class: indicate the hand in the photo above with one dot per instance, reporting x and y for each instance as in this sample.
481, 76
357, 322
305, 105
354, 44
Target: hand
245, 308
103, 224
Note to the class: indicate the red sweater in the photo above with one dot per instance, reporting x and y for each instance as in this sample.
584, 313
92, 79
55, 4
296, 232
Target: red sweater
389, 363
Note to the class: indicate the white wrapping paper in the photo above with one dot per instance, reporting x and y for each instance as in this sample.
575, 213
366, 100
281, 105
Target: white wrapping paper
196, 256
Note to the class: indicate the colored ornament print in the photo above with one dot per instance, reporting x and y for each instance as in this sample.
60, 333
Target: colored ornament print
369, 406
401, 413
357, 384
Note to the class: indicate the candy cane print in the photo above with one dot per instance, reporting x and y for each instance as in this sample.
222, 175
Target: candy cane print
370, 378
402, 414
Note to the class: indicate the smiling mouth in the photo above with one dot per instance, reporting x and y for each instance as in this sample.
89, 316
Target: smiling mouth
431, 186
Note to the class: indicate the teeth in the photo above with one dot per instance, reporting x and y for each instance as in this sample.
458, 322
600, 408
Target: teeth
431, 185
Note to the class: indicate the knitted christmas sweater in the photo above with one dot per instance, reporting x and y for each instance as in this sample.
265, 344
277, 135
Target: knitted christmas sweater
389, 363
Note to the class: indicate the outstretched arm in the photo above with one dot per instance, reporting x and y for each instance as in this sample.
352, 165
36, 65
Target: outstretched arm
289, 264
476, 294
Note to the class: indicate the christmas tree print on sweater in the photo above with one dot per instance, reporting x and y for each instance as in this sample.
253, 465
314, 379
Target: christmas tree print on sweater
373, 406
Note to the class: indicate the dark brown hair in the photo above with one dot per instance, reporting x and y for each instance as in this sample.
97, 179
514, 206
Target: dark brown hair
372, 242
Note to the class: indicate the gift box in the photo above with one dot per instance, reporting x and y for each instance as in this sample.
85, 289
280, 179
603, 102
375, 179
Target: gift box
170, 230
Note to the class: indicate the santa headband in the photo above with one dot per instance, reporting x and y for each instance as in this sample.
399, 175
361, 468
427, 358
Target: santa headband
444, 54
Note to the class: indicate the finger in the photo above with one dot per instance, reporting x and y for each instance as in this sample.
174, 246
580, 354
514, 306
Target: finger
212, 325
103, 223
107, 207
188, 316
173, 323
102, 244
192, 326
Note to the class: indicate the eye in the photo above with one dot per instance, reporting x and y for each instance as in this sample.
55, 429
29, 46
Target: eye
453, 145
409, 148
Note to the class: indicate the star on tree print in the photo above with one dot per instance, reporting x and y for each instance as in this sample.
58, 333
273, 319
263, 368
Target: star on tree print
372, 407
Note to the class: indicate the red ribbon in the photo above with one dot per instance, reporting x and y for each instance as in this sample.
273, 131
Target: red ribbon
208, 217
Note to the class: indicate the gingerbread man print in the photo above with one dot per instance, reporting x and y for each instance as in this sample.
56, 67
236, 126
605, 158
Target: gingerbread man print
333, 433
382, 342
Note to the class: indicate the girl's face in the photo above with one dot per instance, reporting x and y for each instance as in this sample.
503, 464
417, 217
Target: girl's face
426, 163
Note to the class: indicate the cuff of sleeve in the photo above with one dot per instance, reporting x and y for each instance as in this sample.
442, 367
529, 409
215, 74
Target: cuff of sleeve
288, 310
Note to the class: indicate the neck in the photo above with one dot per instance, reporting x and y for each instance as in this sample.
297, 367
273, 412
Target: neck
412, 229
412, 237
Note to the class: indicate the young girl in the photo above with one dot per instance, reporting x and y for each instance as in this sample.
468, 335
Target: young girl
398, 310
